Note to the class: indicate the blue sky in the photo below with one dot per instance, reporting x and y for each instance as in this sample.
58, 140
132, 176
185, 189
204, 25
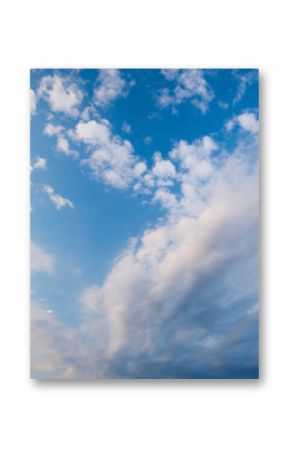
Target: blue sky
144, 223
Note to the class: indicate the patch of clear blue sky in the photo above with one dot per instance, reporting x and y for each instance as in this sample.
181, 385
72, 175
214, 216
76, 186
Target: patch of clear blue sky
86, 240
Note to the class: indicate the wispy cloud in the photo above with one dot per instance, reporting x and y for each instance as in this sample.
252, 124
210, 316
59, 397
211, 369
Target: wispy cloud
62, 143
187, 85
59, 201
52, 130
245, 79
40, 260
64, 147
39, 164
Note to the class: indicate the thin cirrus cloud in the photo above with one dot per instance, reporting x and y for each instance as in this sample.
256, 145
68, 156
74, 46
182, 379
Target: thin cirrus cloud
59, 201
245, 79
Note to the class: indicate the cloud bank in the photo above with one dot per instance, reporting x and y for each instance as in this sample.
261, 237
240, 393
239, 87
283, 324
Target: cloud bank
181, 300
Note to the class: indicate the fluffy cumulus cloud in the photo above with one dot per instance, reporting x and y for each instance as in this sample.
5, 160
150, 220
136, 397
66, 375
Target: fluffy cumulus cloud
40, 260
181, 300
163, 168
61, 93
186, 85
111, 159
155, 180
110, 85
59, 201
180, 184
247, 121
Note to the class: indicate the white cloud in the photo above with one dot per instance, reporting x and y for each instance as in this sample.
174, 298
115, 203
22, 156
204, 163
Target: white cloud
40, 164
195, 159
181, 299
245, 79
188, 84
56, 199
63, 147
88, 112
163, 168
93, 132
247, 121
40, 261
170, 74
176, 274
165, 198
139, 169
162, 175
32, 102
52, 346
195, 165
89, 299
112, 159
62, 94
53, 130
111, 85
62, 143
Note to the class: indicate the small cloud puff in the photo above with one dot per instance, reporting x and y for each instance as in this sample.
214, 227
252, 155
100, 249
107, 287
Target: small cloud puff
39, 164
111, 85
61, 93
246, 121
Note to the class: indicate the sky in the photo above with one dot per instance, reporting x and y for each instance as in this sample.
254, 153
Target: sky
144, 223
